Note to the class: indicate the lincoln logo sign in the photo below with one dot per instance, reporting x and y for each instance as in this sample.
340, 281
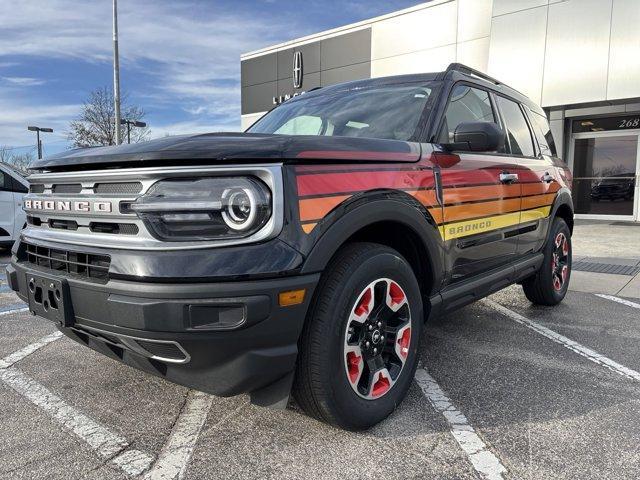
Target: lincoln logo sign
78, 206
297, 70
297, 79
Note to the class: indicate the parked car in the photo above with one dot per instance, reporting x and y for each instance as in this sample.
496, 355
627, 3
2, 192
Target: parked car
13, 187
269, 263
614, 187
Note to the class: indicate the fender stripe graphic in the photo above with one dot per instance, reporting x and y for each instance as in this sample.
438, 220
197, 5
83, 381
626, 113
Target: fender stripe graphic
473, 204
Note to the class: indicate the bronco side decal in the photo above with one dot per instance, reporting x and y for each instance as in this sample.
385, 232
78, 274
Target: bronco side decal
470, 208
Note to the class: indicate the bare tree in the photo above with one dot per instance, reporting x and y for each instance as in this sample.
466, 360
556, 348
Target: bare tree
95, 125
19, 161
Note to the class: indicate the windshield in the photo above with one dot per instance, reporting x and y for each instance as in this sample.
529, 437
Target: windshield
386, 111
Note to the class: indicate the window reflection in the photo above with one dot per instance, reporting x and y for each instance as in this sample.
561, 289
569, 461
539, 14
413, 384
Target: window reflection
604, 175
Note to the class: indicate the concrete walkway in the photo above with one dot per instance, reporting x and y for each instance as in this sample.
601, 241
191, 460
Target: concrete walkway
607, 243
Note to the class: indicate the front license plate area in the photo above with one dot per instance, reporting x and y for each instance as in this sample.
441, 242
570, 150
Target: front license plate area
49, 298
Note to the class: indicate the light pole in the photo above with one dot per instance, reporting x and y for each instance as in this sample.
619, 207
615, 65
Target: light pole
129, 124
116, 73
38, 142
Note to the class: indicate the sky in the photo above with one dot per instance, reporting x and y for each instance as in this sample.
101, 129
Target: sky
179, 60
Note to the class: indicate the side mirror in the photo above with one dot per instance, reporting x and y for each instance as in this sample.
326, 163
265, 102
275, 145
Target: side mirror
477, 137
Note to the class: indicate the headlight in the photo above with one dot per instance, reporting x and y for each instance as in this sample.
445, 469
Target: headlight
205, 208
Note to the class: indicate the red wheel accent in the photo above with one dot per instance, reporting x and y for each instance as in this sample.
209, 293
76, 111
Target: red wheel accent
377, 338
381, 386
364, 303
559, 261
396, 293
353, 364
559, 239
404, 341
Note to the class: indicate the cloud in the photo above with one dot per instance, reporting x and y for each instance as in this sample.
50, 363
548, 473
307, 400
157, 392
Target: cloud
13, 126
24, 81
180, 60
187, 52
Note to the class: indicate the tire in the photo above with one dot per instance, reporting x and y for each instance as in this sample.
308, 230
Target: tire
333, 383
549, 286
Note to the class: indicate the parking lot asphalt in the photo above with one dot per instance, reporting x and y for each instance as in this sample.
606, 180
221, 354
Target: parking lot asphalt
504, 390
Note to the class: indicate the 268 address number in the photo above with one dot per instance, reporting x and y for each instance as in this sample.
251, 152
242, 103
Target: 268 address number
630, 123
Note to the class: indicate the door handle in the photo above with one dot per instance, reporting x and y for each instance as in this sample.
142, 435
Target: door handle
506, 177
547, 178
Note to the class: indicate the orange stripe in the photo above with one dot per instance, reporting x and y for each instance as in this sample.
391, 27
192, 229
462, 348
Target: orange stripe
425, 197
474, 210
485, 192
488, 192
539, 188
436, 213
538, 201
308, 227
316, 208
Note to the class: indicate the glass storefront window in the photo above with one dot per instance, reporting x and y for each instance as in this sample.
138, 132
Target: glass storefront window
604, 174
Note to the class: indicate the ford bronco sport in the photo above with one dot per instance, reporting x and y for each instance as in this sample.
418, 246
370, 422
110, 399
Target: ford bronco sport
304, 255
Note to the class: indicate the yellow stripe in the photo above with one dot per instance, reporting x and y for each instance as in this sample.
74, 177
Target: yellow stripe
481, 225
535, 214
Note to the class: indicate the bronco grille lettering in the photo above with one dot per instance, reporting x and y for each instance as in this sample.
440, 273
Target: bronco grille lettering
68, 206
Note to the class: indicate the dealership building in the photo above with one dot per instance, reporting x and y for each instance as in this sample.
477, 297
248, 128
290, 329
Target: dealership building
579, 59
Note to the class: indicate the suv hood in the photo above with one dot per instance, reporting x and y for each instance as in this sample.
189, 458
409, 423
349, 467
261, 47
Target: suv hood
232, 148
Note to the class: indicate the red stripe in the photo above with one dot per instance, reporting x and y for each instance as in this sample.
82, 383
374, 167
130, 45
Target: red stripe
463, 177
328, 183
359, 155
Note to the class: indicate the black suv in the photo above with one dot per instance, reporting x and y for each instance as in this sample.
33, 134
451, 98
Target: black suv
304, 255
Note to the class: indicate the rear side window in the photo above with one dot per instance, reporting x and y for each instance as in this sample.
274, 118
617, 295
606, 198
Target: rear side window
5, 181
542, 131
518, 133
467, 104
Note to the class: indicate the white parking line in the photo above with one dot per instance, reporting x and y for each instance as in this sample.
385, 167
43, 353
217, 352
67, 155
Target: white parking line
175, 454
14, 309
586, 352
619, 300
484, 462
107, 444
15, 357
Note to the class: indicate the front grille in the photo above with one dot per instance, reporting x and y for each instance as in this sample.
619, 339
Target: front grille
125, 188
114, 228
67, 188
36, 188
86, 265
63, 224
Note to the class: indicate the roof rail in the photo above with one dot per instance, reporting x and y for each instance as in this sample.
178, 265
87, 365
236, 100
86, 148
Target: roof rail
459, 67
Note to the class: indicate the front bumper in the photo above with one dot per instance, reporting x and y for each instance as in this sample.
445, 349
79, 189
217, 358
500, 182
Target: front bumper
173, 329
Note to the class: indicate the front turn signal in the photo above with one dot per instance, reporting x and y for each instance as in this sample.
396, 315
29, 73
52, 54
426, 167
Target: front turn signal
292, 297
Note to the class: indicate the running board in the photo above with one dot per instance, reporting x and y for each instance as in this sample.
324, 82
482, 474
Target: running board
456, 296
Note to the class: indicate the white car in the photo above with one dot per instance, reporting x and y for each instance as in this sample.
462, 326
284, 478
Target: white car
13, 187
